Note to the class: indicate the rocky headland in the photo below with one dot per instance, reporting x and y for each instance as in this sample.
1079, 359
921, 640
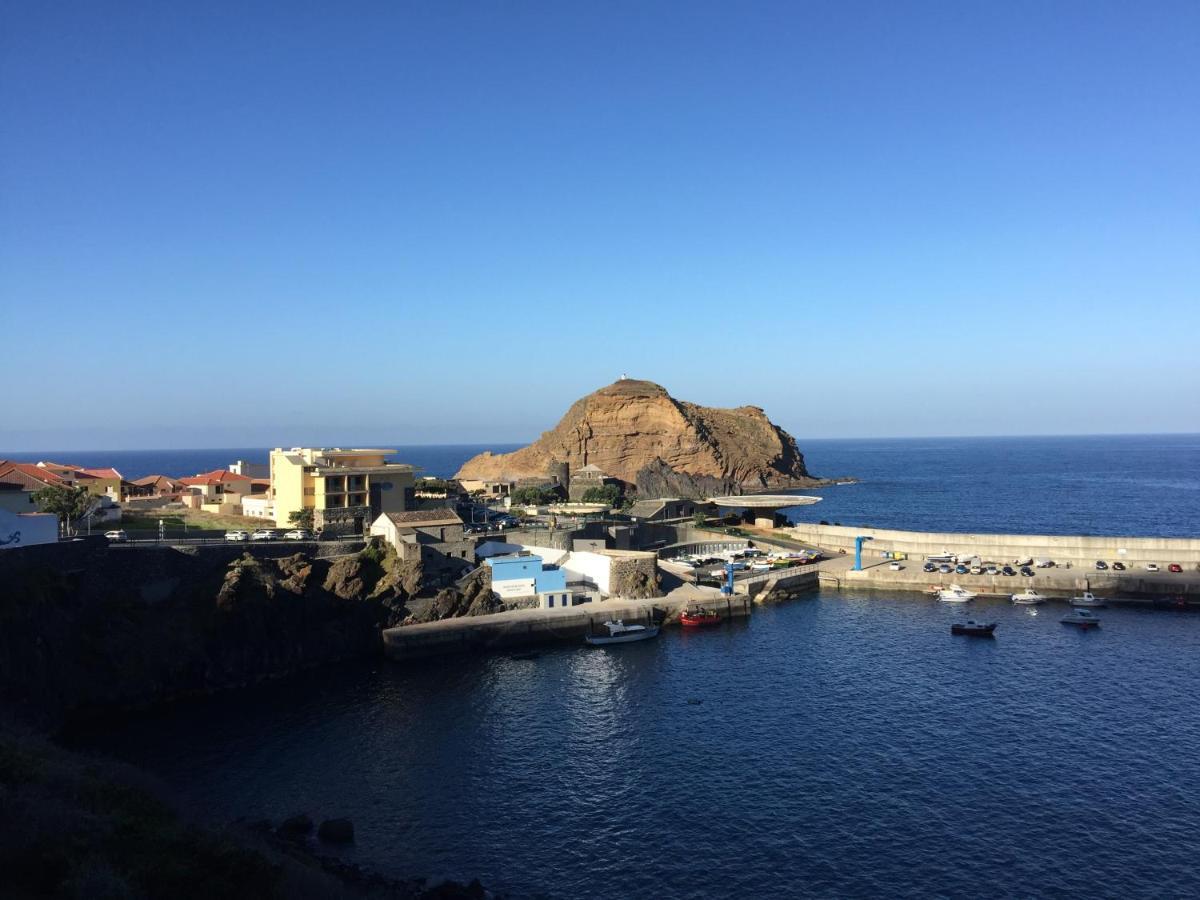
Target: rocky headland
657, 446
87, 631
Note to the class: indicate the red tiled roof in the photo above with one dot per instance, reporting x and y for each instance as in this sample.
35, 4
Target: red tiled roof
27, 472
216, 476
108, 472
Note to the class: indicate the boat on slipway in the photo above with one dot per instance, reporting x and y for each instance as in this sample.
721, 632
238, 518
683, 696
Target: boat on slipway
620, 633
955, 594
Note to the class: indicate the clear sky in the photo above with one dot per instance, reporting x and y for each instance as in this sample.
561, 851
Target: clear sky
238, 224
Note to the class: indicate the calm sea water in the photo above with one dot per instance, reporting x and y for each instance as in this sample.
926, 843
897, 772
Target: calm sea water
842, 746
1121, 485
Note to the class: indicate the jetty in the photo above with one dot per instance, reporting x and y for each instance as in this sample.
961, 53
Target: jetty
520, 628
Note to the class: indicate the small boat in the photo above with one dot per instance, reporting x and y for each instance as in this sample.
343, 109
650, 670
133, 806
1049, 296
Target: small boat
620, 633
698, 618
955, 594
1028, 597
1088, 599
972, 628
1082, 618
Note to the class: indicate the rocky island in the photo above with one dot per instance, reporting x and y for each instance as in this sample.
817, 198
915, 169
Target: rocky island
635, 432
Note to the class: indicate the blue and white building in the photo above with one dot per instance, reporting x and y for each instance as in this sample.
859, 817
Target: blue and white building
517, 575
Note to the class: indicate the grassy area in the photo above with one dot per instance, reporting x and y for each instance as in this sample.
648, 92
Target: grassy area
176, 520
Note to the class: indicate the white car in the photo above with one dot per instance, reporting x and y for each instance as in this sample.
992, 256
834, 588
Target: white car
1151, 567
236, 536
297, 534
263, 534
117, 536
895, 567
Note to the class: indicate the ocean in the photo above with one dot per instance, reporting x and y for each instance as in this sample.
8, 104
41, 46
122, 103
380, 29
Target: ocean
1119, 485
841, 745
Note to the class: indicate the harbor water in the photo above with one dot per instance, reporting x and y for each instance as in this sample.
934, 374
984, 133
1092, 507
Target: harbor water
841, 745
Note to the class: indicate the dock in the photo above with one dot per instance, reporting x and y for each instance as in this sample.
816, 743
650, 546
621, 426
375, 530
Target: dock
522, 628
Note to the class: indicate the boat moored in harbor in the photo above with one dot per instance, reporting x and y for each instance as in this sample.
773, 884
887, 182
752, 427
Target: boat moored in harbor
956, 594
1081, 618
698, 618
1088, 599
971, 628
1028, 597
620, 633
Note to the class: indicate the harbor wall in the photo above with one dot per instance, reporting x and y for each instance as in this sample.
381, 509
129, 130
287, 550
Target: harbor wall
533, 627
1003, 548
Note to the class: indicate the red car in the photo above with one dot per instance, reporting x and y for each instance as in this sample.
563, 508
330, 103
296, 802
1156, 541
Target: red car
1174, 567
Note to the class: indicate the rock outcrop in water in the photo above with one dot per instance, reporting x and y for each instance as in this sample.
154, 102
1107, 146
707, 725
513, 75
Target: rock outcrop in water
636, 432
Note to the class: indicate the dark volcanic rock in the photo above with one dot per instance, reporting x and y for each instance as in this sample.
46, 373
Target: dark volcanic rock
336, 831
78, 636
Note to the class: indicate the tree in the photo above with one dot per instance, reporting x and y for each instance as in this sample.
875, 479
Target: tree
610, 495
66, 501
533, 496
302, 518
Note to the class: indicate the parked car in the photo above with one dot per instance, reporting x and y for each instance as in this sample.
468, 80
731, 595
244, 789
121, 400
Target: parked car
1118, 566
929, 567
236, 536
1101, 565
297, 534
1174, 567
961, 570
1008, 570
263, 534
976, 570
945, 569
1026, 571
118, 536
1044, 563
895, 567
992, 570
1151, 567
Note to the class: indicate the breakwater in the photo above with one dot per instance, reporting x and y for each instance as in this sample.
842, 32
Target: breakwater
529, 627
1075, 549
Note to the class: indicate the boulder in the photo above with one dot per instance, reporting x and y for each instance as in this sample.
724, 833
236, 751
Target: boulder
336, 831
298, 825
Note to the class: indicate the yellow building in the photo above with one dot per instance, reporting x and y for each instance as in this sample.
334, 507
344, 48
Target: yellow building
346, 489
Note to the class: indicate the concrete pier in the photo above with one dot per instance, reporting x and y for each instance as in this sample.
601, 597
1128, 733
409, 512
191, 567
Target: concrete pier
521, 628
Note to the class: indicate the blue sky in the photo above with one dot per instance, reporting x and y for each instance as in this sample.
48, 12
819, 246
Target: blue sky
234, 224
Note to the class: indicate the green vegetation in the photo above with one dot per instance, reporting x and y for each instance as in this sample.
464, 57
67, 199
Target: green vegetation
302, 518
609, 494
69, 503
534, 496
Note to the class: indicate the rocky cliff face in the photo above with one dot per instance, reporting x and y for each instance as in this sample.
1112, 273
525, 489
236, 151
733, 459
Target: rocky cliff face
637, 432
87, 630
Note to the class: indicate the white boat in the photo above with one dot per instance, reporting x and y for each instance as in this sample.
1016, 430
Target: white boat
1028, 597
955, 594
620, 633
1082, 618
1088, 599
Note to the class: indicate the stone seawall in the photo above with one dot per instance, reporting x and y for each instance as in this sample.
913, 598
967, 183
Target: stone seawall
1002, 548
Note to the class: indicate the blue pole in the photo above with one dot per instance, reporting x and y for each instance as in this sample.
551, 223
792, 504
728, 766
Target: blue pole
858, 542
728, 586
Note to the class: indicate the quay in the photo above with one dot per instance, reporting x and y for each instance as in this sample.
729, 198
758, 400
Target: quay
522, 628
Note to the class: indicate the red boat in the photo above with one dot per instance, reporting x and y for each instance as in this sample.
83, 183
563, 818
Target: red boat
698, 618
